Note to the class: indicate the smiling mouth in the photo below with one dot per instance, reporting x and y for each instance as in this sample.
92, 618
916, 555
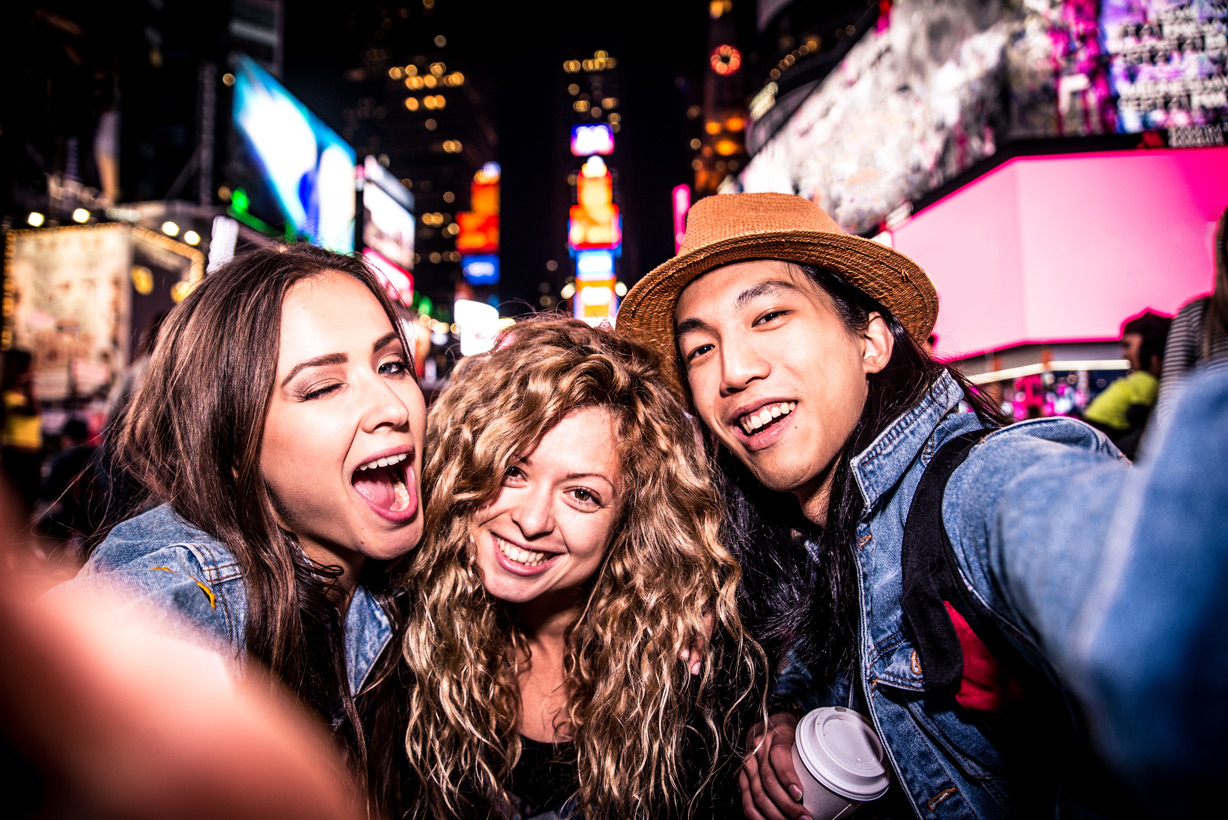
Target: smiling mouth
766, 416
520, 555
384, 482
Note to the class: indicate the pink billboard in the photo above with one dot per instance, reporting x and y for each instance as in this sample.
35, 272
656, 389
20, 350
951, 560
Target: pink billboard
1064, 248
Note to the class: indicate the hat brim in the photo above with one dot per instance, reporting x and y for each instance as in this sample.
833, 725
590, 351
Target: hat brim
895, 281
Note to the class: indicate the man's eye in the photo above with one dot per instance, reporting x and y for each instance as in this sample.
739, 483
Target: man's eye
697, 351
769, 316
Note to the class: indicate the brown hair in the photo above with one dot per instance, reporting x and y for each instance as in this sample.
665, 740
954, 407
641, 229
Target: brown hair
629, 696
191, 438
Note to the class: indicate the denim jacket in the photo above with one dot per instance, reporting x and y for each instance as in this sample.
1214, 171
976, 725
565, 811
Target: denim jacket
1083, 559
185, 577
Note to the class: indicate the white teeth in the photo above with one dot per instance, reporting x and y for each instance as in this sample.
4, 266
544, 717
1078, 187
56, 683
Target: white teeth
384, 462
529, 558
753, 421
401, 499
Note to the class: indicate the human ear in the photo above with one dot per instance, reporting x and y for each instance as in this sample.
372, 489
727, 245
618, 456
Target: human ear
877, 344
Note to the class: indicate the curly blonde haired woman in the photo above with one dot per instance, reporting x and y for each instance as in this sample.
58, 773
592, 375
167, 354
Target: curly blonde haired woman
573, 557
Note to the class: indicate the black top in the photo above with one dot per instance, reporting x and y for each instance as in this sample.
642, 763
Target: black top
544, 778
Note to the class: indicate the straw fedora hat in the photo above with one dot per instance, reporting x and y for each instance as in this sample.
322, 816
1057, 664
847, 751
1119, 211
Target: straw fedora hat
729, 228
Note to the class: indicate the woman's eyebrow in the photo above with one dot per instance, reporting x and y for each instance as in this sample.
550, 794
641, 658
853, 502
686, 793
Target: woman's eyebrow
318, 361
385, 340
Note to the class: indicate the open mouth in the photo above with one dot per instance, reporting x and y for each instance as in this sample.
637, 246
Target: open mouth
765, 416
520, 555
386, 484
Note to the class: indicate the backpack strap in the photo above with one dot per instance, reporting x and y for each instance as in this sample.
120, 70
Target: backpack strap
931, 578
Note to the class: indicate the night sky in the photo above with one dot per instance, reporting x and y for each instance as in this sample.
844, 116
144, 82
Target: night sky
660, 47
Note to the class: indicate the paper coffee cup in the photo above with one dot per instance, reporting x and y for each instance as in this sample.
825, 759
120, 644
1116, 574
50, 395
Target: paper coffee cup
840, 762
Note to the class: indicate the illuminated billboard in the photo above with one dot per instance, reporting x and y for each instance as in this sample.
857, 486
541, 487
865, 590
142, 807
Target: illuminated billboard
481, 270
479, 226
398, 283
387, 215
587, 140
594, 221
478, 325
1064, 248
595, 265
293, 166
595, 301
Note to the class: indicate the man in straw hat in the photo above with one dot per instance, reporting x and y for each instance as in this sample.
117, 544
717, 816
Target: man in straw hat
1058, 662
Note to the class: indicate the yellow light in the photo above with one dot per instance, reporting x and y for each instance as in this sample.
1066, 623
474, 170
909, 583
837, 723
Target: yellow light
170, 228
587, 65
712, 127
734, 124
580, 105
568, 291
429, 102
438, 69
180, 290
80, 215
191, 237
35, 219
142, 280
620, 288
609, 102
430, 81
440, 101
413, 83
449, 197
395, 72
616, 118
695, 143
411, 70
600, 55
411, 103
228, 80
593, 167
573, 89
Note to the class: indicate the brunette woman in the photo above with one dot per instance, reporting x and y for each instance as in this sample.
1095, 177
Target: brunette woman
278, 437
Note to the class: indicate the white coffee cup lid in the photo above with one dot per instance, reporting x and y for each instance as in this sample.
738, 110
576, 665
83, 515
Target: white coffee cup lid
841, 750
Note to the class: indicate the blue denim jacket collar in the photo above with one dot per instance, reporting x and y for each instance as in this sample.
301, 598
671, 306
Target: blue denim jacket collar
878, 468
158, 547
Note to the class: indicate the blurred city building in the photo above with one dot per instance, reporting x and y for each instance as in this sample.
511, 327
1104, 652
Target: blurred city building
418, 97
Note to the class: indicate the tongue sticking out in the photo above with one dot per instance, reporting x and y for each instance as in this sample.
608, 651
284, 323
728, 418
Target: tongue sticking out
383, 488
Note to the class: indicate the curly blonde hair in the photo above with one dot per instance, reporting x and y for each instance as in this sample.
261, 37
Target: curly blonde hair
633, 708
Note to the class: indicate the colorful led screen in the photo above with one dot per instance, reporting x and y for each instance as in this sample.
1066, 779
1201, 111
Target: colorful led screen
293, 166
1064, 248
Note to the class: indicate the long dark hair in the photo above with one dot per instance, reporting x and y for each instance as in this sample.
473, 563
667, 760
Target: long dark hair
799, 584
191, 438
